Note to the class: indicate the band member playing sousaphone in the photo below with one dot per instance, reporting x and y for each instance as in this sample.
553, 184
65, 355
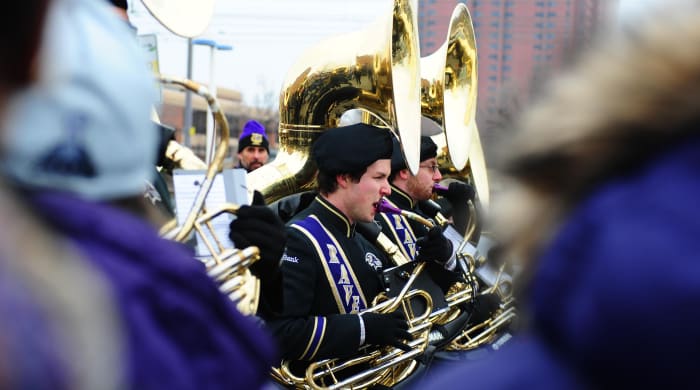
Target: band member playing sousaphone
330, 273
406, 191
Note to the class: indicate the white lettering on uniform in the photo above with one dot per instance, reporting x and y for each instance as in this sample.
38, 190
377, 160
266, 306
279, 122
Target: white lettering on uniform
332, 254
355, 304
397, 222
344, 279
348, 292
291, 259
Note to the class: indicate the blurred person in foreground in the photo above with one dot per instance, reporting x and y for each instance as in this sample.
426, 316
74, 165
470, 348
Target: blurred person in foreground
253, 146
80, 146
605, 216
58, 329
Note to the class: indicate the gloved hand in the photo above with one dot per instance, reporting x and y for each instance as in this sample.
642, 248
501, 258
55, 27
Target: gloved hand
386, 329
434, 247
459, 193
258, 225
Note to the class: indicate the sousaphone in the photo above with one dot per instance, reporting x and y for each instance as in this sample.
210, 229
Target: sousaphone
449, 87
375, 70
185, 18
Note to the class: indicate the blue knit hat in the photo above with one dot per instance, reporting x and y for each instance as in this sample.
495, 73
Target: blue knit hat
253, 135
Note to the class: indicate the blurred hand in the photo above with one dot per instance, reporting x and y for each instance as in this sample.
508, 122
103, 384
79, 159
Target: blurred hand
258, 225
434, 247
386, 329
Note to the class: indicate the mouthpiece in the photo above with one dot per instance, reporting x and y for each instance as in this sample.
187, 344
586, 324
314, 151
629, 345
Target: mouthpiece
384, 207
439, 188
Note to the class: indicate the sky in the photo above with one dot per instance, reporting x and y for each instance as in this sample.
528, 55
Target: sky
267, 37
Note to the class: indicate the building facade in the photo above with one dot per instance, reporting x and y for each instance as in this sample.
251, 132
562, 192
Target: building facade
519, 42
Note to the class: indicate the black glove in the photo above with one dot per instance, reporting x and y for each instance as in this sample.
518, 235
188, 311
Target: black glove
434, 247
258, 225
458, 193
386, 329
165, 135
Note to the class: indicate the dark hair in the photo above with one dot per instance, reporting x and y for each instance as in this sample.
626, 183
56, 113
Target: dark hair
327, 183
20, 36
120, 4
393, 174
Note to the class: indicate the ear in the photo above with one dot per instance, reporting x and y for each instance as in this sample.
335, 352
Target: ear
404, 174
342, 180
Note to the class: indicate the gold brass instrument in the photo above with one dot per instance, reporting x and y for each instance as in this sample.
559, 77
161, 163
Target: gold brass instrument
448, 101
449, 87
382, 77
387, 365
473, 263
486, 331
227, 266
180, 233
456, 296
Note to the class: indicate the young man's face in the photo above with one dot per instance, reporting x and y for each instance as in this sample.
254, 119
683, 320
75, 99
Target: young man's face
253, 157
420, 186
361, 198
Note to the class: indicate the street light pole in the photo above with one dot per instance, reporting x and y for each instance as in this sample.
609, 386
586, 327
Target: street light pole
213, 47
209, 140
187, 120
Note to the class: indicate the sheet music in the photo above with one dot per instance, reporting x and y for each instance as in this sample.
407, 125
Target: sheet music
228, 187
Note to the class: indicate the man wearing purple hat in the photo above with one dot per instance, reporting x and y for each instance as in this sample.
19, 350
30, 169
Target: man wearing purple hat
253, 146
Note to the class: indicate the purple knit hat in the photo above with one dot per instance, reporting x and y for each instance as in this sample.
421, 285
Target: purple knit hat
253, 135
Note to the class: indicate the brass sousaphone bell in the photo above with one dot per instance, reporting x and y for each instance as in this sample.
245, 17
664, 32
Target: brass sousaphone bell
185, 18
376, 70
448, 103
449, 86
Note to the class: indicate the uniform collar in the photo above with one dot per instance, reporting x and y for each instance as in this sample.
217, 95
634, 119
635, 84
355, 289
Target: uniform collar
401, 199
332, 217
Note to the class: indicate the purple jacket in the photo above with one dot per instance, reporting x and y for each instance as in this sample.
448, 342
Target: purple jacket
615, 299
182, 332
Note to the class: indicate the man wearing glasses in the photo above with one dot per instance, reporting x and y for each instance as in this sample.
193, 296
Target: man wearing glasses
406, 191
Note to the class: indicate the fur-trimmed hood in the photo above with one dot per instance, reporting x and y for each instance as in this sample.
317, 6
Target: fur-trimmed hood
629, 99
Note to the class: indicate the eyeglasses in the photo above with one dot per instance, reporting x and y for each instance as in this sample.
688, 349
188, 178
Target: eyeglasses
433, 167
